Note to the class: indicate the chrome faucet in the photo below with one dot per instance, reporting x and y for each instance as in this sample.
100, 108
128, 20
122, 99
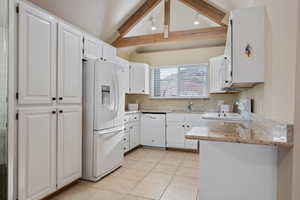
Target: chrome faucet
190, 106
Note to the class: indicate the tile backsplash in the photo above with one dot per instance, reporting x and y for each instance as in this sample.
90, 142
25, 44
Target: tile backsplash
205, 105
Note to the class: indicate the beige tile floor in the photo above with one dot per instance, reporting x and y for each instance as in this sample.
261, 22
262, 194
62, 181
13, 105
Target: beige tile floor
147, 174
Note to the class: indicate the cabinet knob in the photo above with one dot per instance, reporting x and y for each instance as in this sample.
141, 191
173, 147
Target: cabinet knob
61, 98
188, 126
53, 98
183, 126
61, 111
53, 112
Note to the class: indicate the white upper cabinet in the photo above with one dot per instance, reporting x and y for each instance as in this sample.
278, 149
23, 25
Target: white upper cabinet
92, 47
97, 49
124, 76
109, 52
37, 153
139, 78
70, 47
217, 74
37, 56
246, 47
69, 133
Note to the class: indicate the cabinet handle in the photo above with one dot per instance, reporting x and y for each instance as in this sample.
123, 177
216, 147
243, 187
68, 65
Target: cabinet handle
183, 126
53, 112
188, 126
61, 98
61, 111
53, 98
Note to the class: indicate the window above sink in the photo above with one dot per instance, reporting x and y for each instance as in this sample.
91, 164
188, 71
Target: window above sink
180, 81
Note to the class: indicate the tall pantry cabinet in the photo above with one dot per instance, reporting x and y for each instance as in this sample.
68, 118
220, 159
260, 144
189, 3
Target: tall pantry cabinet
49, 103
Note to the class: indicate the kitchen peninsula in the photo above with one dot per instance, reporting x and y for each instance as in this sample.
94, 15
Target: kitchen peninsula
240, 159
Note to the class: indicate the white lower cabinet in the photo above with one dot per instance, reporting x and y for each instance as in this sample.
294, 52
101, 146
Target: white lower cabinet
134, 135
37, 153
175, 135
69, 149
49, 150
177, 126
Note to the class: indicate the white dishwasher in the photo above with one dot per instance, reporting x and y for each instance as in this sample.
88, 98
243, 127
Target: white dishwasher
153, 130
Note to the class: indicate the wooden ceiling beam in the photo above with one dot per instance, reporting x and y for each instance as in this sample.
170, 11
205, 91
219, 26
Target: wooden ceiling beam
145, 9
167, 19
178, 36
207, 10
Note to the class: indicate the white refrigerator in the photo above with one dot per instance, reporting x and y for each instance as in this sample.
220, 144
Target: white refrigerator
103, 111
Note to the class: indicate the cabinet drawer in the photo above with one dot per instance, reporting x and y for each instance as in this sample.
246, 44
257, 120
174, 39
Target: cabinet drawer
125, 147
126, 127
134, 118
126, 137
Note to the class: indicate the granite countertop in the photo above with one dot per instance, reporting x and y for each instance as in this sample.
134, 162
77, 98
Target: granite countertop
240, 132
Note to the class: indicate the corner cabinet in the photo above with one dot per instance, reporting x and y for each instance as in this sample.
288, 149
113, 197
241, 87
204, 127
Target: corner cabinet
245, 47
139, 78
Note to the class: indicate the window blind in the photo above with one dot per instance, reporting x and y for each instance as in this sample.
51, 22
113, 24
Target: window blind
182, 81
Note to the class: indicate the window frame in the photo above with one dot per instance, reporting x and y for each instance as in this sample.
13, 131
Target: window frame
178, 81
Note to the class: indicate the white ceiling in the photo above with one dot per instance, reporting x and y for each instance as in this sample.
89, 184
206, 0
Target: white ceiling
102, 18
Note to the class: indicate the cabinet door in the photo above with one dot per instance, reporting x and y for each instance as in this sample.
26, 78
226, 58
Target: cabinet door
37, 153
37, 56
109, 53
131, 136
175, 135
137, 134
92, 47
190, 144
217, 74
139, 78
69, 64
69, 141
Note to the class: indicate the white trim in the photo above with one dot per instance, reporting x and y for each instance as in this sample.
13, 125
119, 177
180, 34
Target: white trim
12, 136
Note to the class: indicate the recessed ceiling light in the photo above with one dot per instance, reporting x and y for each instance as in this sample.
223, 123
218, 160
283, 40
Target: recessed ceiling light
196, 21
153, 26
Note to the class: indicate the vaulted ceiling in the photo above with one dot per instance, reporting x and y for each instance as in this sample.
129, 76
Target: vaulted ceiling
102, 18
